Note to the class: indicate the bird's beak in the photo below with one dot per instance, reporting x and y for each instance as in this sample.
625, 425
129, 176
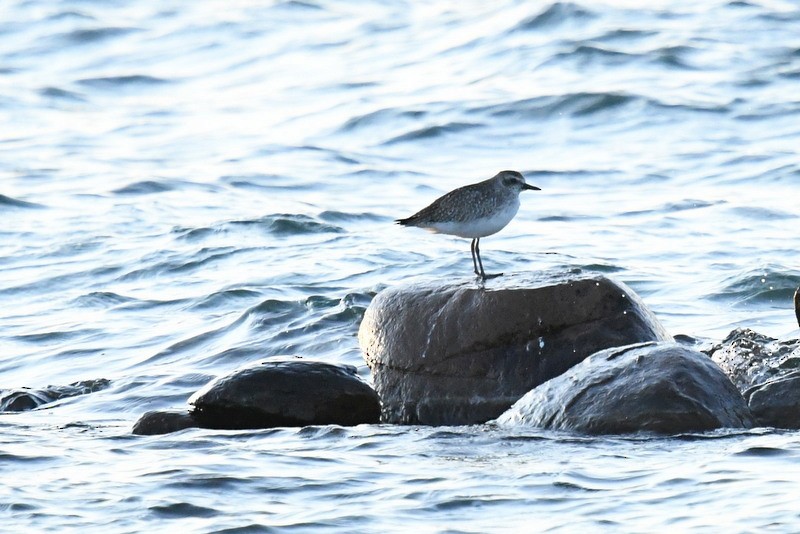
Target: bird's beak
530, 187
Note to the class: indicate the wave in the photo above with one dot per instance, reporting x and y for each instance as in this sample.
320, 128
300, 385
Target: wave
71, 15
265, 182
625, 34
672, 207
285, 224
279, 224
382, 116
62, 281
101, 299
219, 299
9, 202
590, 104
773, 285
126, 81
576, 104
273, 327
430, 132
591, 53
61, 94
344, 216
764, 452
761, 214
555, 15
146, 187
94, 35
676, 57
182, 510
181, 264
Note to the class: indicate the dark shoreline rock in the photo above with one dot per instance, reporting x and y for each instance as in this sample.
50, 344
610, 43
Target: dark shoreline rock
750, 358
286, 392
164, 422
776, 402
462, 354
280, 391
654, 387
24, 399
767, 372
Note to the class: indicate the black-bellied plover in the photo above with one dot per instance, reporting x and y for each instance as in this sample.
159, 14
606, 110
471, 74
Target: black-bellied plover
474, 211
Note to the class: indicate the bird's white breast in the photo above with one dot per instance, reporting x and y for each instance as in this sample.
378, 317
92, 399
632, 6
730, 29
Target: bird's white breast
480, 226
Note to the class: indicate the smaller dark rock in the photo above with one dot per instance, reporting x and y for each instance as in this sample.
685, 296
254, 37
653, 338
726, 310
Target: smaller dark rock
152, 423
286, 392
767, 371
24, 399
750, 358
777, 402
657, 387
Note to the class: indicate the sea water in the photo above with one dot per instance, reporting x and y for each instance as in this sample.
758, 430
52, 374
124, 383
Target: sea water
188, 187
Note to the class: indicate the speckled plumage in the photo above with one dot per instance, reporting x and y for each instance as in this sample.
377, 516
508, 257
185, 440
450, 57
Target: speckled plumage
474, 211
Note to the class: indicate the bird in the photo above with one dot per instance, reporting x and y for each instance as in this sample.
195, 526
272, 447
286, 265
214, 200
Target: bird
474, 211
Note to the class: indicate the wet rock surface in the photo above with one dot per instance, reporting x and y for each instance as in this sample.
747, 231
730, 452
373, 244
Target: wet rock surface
776, 402
164, 422
659, 387
750, 358
286, 392
767, 371
463, 353
23, 399
279, 391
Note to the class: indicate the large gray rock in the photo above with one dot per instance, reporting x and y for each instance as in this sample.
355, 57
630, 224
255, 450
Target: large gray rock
663, 388
286, 392
462, 353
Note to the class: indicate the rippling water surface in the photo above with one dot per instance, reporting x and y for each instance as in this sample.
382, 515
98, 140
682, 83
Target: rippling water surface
190, 186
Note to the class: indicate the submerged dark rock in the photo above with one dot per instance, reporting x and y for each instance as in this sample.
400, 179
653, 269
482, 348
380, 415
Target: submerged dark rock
23, 399
286, 392
164, 422
776, 402
461, 354
664, 388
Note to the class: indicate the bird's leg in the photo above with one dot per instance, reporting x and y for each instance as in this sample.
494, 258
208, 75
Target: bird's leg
797, 305
482, 274
474, 262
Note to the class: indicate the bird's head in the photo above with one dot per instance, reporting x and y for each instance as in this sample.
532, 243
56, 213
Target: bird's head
515, 181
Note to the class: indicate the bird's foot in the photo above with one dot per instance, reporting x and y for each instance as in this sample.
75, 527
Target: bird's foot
485, 276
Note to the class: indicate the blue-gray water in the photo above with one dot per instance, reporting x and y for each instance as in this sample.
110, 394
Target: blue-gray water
191, 186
